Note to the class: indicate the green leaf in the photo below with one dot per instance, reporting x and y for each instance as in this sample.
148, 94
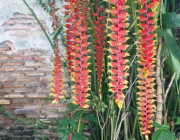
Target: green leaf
133, 110
171, 43
165, 127
60, 29
1, 108
71, 107
170, 20
78, 136
65, 135
78, 113
155, 124
156, 134
72, 123
178, 120
169, 135
161, 134
174, 64
64, 122
90, 117
164, 51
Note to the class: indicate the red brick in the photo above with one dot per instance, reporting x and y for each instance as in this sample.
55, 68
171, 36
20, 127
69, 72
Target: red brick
12, 63
5, 48
55, 106
16, 53
9, 22
7, 69
45, 80
12, 106
36, 96
22, 58
27, 80
35, 64
23, 90
39, 58
35, 74
25, 69
45, 69
20, 101
4, 102
13, 74
5, 79
35, 85
38, 101
47, 90
30, 16
30, 21
14, 96
12, 86
21, 16
5, 91
18, 27
5, 58
16, 32
11, 53
10, 44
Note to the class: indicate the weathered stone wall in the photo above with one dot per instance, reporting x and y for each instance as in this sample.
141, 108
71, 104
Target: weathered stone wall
26, 61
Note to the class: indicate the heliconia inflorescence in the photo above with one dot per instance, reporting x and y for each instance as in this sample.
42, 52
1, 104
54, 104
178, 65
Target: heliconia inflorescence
80, 75
57, 87
69, 35
117, 50
99, 26
147, 52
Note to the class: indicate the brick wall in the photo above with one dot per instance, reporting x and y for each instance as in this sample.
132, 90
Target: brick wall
25, 78
23, 26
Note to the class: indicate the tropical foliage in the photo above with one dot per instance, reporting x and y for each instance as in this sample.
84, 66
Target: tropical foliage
122, 61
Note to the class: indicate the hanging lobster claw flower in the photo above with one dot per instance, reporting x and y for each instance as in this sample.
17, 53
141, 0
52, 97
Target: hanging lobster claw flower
118, 62
57, 88
80, 71
99, 26
146, 107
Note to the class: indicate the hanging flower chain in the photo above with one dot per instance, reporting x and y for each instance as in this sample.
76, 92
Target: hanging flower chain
80, 75
57, 87
117, 54
146, 62
99, 50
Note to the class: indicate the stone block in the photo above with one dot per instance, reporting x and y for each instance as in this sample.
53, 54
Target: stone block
25, 111
4, 102
14, 96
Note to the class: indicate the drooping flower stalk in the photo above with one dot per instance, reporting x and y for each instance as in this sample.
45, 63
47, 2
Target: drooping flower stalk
117, 50
57, 87
146, 62
80, 75
99, 45
69, 35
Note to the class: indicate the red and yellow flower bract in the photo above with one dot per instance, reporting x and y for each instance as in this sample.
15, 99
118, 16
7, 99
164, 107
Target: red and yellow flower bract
117, 56
147, 49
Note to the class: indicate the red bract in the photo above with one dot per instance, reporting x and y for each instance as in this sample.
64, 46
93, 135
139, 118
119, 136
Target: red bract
117, 54
80, 74
146, 61
99, 46
69, 34
70, 136
57, 88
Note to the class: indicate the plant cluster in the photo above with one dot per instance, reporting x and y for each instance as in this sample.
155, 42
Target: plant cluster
118, 54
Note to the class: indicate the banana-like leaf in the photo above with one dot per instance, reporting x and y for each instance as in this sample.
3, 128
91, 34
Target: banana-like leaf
171, 43
173, 63
170, 20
